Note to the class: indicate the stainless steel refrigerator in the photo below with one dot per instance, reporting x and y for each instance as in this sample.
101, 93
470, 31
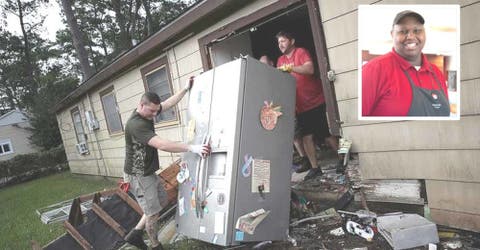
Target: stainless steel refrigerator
245, 109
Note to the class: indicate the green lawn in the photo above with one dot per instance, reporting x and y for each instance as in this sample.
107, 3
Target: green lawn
19, 223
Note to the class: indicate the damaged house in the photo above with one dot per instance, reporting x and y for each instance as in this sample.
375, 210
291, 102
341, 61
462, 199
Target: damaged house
444, 155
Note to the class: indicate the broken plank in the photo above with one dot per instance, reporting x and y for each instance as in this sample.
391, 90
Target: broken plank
77, 236
109, 220
133, 204
102, 193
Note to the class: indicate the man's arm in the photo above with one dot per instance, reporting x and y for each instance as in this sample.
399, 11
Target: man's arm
174, 99
167, 146
175, 147
304, 69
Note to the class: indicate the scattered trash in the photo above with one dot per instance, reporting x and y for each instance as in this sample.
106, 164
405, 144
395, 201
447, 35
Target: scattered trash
452, 244
361, 214
365, 232
312, 218
432, 246
59, 211
262, 244
337, 232
292, 240
344, 200
445, 235
407, 230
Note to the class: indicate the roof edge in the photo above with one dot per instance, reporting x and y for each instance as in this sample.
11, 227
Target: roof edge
153, 43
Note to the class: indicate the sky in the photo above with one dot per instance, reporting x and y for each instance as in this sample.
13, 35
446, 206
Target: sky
52, 23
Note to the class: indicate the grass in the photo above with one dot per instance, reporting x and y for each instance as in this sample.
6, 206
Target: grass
19, 222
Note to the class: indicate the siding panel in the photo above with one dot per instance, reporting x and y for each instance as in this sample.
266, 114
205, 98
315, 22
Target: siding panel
416, 135
341, 30
453, 196
450, 165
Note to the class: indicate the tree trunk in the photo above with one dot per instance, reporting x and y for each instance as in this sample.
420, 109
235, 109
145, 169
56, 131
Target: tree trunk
125, 42
150, 25
134, 23
77, 40
32, 84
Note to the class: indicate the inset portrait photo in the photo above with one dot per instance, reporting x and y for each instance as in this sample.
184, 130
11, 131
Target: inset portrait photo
409, 62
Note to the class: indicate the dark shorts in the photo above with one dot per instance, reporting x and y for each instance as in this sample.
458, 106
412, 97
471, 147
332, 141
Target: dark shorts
313, 121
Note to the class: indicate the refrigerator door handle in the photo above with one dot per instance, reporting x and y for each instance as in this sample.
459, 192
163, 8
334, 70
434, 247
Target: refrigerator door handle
200, 177
197, 200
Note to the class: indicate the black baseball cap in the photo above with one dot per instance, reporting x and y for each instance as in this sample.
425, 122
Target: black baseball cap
405, 13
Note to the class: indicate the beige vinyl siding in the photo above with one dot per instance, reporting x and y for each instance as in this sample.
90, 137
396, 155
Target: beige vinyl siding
444, 153
18, 137
453, 203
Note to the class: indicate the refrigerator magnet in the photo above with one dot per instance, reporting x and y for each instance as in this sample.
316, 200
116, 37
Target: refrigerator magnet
269, 115
239, 235
181, 206
183, 175
261, 176
191, 129
247, 165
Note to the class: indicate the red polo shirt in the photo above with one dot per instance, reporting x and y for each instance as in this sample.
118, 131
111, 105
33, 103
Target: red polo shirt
385, 87
309, 89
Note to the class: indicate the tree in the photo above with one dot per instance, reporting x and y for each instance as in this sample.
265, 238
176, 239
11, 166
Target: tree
55, 87
22, 63
77, 38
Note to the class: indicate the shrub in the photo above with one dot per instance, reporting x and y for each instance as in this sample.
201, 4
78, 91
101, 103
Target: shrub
29, 166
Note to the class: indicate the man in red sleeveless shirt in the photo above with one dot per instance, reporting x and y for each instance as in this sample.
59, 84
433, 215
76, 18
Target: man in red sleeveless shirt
310, 102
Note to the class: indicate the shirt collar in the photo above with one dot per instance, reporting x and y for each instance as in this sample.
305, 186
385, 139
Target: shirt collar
405, 65
293, 54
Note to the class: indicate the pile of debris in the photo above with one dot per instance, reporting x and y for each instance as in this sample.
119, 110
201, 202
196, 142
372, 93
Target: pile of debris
327, 212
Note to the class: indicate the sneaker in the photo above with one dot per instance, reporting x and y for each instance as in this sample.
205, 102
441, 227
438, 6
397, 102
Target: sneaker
314, 172
159, 247
135, 238
304, 165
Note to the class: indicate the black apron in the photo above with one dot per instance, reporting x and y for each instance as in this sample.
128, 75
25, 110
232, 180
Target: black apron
428, 102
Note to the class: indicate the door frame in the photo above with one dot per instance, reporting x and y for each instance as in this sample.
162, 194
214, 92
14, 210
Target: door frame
321, 51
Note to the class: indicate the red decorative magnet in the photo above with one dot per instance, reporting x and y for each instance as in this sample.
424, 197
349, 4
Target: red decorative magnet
269, 115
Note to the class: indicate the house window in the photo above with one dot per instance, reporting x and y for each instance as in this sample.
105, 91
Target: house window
6, 147
77, 124
110, 109
156, 78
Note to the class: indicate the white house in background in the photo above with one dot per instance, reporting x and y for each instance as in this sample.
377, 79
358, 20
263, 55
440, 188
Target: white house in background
14, 135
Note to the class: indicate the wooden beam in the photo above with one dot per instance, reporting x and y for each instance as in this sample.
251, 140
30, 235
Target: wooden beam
109, 220
77, 236
87, 197
133, 204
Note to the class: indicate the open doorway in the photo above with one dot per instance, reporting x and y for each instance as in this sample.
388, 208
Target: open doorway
254, 35
259, 39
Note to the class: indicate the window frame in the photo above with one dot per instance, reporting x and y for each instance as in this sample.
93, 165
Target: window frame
111, 91
72, 113
149, 69
9, 143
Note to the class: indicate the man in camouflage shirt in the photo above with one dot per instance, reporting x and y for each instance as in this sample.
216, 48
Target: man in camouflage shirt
141, 162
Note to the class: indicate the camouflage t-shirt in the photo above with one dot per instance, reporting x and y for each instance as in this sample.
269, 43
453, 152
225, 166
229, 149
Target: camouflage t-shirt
140, 158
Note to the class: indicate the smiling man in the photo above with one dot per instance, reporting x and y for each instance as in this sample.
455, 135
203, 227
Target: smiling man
403, 82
